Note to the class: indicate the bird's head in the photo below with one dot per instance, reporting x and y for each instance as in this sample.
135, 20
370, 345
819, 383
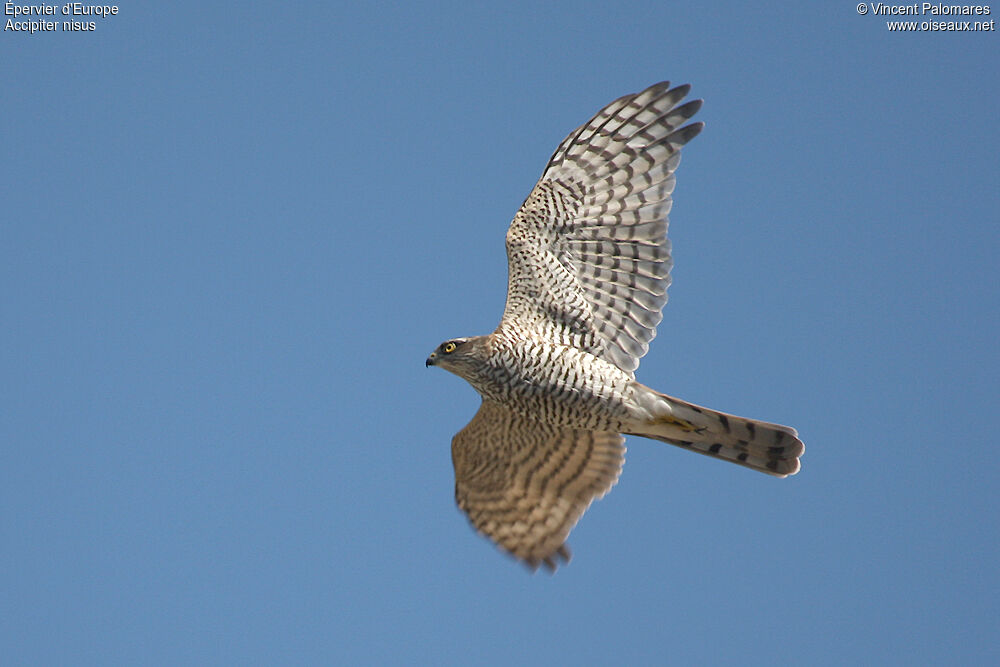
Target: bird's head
461, 356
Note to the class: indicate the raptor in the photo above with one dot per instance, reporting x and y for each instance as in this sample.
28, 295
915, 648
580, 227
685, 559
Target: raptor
589, 266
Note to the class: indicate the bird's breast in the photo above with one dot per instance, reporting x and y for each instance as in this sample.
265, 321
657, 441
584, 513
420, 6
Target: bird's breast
557, 384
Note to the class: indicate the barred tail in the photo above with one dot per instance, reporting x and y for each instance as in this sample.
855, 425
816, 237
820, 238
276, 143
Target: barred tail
768, 448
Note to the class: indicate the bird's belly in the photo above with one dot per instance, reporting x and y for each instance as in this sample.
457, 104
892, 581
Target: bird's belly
560, 385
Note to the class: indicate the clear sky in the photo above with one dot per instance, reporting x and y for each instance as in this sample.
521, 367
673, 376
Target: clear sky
232, 232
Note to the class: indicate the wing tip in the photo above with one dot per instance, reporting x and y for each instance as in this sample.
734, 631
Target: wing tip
681, 136
561, 556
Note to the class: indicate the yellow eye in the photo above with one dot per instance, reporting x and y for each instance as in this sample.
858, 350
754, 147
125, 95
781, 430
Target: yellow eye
449, 348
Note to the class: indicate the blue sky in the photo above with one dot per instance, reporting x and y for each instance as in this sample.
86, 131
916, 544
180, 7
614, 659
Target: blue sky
232, 233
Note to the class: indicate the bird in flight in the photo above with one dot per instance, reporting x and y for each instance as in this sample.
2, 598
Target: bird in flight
588, 270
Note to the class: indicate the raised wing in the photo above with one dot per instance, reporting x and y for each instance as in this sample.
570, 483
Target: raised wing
588, 256
524, 484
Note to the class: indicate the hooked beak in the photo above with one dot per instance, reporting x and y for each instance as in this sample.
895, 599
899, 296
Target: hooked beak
431, 360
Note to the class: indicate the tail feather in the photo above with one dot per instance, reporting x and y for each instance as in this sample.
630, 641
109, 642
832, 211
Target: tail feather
762, 446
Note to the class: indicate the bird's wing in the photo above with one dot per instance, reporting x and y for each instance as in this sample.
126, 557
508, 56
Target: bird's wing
588, 256
524, 484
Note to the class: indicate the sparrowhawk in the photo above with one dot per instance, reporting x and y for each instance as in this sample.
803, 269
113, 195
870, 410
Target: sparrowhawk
589, 265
